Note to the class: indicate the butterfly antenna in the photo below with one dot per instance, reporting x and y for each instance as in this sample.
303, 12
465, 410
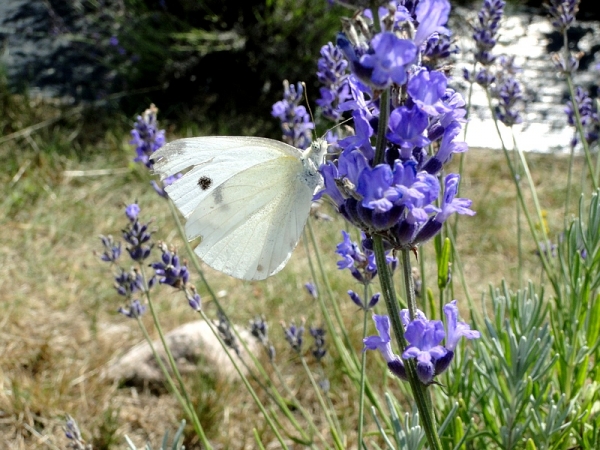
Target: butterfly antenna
308, 107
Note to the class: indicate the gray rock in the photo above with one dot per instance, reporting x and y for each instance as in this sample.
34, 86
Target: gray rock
195, 349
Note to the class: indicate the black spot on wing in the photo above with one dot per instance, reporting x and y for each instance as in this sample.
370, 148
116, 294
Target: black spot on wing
205, 182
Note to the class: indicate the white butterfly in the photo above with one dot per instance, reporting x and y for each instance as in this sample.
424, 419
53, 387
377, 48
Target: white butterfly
247, 197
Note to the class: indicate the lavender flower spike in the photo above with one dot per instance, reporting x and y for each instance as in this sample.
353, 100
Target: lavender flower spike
135, 310
137, 235
295, 121
485, 31
563, 13
146, 136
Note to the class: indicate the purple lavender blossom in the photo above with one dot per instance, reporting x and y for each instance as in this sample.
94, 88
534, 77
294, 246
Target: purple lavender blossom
226, 333
134, 310
295, 121
563, 13
260, 330
455, 329
359, 259
332, 73
437, 48
485, 30
194, 299
383, 344
137, 235
146, 136
128, 282
170, 270
407, 126
358, 301
394, 199
112, 251
73, 434
294, 335
311, 289
132, 211
160, 188
588, 114
424, 339
388, 60
508, 92
431, 15
318, 350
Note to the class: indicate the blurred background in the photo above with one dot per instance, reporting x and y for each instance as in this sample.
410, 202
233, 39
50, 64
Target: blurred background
222, 60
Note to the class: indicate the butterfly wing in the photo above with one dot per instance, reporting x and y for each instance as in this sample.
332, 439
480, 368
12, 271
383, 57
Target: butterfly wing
251, 215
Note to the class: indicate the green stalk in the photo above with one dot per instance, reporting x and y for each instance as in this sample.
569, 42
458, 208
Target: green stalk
189, 411
521, 198
348, 357
189, 408
578, 124
569, 185
518, 214
363, 363
335, 433
384, 114
329, 290
249, 388
299, 406
421, 397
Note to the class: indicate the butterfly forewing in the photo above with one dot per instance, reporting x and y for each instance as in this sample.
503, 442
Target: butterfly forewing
215, 157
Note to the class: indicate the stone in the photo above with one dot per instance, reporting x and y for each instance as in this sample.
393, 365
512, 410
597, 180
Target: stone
195, 349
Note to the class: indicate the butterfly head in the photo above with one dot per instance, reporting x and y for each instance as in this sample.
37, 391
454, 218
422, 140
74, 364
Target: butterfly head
316, 152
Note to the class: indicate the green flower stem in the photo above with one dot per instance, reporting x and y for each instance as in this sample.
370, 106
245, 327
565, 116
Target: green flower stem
578, 124
273, 394
518, 214
189, 411
299, 406
249, 388
349, 358
334, 304
461, 270
363, 363
335, 433
569, 186
191, 253
521, 198
461, 164
384, 114
387, 287
185, 402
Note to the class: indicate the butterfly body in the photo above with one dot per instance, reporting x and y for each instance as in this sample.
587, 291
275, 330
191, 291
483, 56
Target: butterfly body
252, 213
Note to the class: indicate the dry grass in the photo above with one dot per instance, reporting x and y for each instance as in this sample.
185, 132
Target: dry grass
59, 328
